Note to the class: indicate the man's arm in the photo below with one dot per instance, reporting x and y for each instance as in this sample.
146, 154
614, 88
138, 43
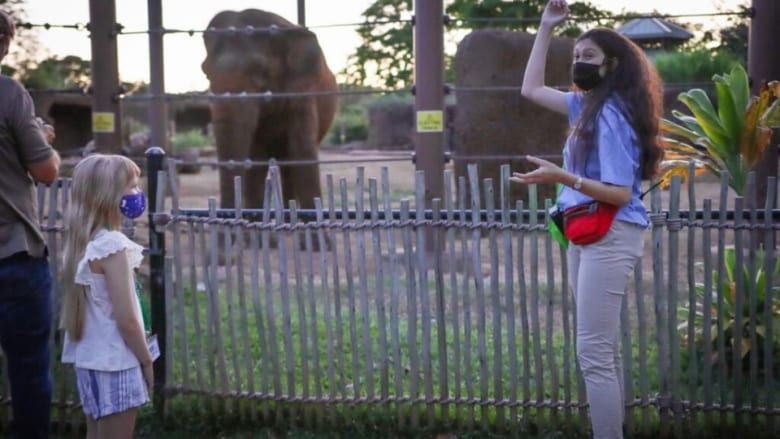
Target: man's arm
46, 171
34, 136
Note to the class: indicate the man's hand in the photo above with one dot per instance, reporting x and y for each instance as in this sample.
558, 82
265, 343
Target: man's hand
48, 130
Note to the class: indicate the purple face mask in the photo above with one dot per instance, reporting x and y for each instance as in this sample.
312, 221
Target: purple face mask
133, 205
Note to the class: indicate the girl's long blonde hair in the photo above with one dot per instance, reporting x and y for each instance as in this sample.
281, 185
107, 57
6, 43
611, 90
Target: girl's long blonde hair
98, 183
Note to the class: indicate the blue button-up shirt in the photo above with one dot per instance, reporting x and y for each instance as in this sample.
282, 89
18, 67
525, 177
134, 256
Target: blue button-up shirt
614, 159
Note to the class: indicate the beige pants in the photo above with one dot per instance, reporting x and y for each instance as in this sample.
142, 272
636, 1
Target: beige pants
598, 275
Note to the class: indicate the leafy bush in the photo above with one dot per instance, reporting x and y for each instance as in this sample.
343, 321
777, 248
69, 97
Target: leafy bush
190, 139
696, 66
731, 137
750, 329
351, 124
352, 118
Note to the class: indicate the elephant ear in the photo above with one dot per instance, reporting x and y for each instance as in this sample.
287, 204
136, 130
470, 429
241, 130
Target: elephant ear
303, 54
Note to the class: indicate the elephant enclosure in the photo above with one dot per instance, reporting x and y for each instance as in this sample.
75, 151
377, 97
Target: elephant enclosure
534, 252
372, 318
195, 190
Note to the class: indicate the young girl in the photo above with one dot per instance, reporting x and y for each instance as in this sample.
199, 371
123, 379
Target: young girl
612, 147
101, 314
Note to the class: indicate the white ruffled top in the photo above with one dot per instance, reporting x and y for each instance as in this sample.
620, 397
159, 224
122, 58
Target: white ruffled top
101, 346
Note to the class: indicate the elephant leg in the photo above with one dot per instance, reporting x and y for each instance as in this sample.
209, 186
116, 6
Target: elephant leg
307, 185
287, 174
234, 125
254, 186
305, 181
227, 189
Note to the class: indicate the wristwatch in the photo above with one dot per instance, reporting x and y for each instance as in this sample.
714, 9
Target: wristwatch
577, 183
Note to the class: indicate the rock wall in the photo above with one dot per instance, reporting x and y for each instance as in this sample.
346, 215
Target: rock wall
503, 122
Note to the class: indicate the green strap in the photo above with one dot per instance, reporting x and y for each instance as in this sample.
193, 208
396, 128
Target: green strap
139, 291
557, 233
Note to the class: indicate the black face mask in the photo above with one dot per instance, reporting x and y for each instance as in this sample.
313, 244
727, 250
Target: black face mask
586, 75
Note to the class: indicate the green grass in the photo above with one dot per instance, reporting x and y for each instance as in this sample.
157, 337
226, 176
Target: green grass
345, 372
337, 356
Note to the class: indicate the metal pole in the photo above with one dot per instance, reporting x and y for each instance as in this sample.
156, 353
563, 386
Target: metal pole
158, 109
106, 117
429, 96
764, 65
155, 158
302, 12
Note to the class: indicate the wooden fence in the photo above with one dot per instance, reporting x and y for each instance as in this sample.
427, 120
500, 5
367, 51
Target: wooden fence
458, 315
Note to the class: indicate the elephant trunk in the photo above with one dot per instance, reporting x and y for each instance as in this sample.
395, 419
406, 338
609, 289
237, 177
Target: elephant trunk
235, 124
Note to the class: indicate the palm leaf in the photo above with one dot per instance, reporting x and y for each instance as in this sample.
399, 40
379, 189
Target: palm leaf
740, 88
730, 118
771, 117
670, 168
748, 145
690, 123
676, 146
699, 103
674, 129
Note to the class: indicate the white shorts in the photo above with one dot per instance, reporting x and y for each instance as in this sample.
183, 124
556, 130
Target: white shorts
106, 393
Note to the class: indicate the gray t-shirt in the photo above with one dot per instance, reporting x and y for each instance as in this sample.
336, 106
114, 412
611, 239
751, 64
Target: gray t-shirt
21, 145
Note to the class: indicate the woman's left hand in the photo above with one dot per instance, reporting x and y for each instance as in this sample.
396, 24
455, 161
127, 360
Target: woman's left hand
547, 172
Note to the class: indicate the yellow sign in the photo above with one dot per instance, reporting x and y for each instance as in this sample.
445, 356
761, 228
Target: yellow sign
430, 121
102, 122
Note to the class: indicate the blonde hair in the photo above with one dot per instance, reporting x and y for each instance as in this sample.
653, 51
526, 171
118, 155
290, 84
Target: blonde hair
98, 183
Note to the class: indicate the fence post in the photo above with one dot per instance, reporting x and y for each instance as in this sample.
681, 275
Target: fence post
429, 100
155, 156
106, 88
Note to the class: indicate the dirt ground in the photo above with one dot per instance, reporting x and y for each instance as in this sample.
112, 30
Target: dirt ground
196, 188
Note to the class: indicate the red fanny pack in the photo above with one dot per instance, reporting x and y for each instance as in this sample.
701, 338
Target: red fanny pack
588, 223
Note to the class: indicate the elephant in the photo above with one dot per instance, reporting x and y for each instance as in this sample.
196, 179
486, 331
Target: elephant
277, 57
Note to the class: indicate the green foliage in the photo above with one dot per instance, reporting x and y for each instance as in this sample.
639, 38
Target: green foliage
387, 34
387, 37
734, 38
731, 137
521, 15
694, 66
190, 139
351, 123
723, 320
58, 73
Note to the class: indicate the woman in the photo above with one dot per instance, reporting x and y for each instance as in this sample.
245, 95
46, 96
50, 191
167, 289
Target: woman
614, 114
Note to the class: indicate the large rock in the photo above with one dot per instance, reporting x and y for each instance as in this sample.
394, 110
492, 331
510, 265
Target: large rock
503, 122
391, 126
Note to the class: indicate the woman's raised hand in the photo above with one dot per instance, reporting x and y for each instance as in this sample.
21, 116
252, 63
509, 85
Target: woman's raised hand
555, 13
